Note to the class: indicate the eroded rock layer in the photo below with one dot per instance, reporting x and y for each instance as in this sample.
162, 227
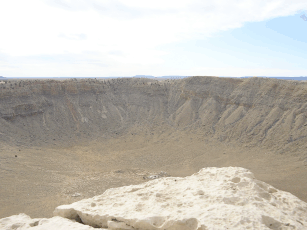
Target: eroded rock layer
269, 112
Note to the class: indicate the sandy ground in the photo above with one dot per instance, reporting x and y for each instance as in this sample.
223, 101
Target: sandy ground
39, 179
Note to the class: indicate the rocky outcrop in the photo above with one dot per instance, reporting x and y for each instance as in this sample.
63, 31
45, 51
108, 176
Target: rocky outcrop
213, 198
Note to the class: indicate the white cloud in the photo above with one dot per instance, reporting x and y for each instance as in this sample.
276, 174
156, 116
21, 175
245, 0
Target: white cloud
135, 29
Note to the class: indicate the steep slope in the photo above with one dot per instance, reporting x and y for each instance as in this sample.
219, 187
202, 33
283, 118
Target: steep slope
255, 111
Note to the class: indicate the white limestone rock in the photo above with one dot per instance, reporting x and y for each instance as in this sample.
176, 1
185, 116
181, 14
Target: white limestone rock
213, 198
22, 222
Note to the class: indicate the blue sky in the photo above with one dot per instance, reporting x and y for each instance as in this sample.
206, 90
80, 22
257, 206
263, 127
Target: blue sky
100, 38
274, 47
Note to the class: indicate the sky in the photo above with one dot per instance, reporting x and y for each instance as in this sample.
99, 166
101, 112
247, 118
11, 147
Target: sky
102, 38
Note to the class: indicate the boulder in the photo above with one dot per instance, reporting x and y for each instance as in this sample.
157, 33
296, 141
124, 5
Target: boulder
23, 221
213, 198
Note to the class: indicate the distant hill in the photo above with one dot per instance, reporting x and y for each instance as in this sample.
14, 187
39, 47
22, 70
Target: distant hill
303, 78
160, 77
284, 78
145, 76
291, 78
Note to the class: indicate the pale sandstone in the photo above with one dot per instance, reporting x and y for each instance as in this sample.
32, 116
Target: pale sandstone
213, 198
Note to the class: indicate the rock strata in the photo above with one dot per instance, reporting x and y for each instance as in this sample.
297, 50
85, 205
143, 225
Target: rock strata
213, 198
252, 111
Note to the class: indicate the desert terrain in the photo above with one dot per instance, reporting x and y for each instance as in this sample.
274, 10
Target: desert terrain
64, 141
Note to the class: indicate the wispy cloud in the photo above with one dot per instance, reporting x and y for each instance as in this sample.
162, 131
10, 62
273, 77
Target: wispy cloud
134, 29
304, 17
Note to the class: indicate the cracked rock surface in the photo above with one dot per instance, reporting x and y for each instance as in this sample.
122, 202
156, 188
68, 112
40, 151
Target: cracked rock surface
213, 198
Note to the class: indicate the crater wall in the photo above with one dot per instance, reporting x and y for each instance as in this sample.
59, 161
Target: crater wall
253, 111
